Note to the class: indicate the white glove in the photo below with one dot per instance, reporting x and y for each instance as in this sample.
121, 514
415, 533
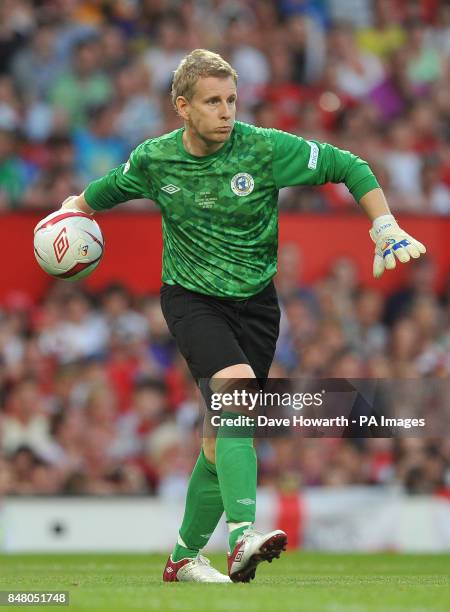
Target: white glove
390, 242
70, 203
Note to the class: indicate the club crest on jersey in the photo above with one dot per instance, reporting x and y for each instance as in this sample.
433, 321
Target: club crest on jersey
242, 184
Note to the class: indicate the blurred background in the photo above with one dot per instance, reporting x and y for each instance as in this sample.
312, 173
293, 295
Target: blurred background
95, 400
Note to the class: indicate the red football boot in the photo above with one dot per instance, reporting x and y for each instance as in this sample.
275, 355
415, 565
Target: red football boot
251, 549
197, 569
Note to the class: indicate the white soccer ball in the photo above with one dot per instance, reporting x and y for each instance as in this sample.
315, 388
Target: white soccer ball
68, 244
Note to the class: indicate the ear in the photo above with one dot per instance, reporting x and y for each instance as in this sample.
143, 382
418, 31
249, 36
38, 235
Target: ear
182, 107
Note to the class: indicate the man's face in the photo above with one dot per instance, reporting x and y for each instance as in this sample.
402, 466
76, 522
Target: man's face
211, 111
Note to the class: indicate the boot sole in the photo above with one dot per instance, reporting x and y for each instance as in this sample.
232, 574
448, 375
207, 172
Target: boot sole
268, 551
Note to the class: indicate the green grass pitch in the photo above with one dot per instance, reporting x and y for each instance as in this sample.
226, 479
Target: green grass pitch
297, 581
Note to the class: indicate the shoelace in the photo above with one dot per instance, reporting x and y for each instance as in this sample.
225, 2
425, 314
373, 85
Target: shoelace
250, 533
201, 560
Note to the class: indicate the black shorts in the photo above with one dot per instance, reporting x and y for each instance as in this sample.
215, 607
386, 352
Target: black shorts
214, 333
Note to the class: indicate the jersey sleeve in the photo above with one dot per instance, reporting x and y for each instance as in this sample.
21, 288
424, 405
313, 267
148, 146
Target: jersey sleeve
126, 182
297, 161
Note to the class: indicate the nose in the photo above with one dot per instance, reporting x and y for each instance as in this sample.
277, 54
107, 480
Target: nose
225, 112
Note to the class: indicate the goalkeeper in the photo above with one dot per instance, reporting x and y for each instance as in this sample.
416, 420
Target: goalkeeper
216, 182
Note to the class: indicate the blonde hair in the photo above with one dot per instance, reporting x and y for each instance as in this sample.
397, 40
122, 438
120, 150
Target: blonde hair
199, 63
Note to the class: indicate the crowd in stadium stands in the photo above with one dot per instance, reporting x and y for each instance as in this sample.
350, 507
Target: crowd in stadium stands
83, 81
97, 400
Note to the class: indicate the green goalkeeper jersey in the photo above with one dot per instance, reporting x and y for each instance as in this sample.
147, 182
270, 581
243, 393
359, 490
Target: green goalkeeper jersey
219, 212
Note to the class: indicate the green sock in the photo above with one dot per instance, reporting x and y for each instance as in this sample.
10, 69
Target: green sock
204, 507
235, 534
237, 471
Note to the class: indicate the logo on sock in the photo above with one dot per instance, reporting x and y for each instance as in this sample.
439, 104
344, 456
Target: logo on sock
205, 535
247, 501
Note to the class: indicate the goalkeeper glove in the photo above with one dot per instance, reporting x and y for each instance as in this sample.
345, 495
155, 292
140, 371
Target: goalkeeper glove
391, 242
73, 203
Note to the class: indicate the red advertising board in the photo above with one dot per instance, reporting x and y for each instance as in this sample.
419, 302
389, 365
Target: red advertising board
134, 247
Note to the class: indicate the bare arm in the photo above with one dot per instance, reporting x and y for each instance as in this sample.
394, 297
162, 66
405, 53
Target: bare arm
79, 203
374, 204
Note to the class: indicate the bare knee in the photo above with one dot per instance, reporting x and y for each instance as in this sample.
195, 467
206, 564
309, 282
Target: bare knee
219, 382
221, 379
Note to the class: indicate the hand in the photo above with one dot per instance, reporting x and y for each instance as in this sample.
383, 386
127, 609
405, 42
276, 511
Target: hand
79, 203
70, 202
391, 242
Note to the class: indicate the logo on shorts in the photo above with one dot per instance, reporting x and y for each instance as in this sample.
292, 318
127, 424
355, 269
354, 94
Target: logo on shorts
242, 184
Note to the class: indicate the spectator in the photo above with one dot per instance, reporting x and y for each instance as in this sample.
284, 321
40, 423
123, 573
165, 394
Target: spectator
37, 66
425, 125
163, 59
385, 35
250, 62
370, 335
358, 13
435, 193
426, 64
141, 418
13, 171
114, 49
139, 108
16, 22
7, 483
422, 276
121, 318
357, 72
84, 86
22, 462
404, 165
9, 105
98, 148
50, 189
26, 422
307, 46
282, 94
80, 332
166, 450
57, 178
